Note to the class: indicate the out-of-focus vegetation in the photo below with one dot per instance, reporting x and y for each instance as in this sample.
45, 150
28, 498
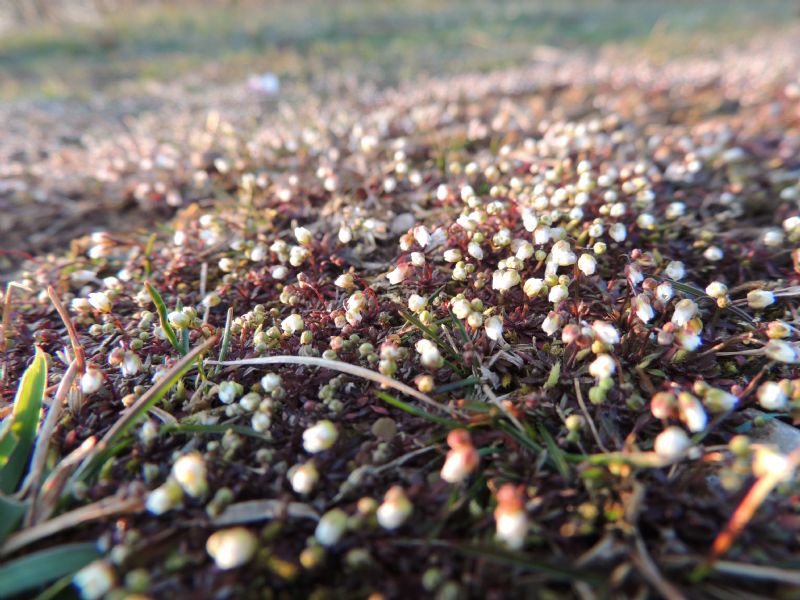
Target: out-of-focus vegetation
74, 47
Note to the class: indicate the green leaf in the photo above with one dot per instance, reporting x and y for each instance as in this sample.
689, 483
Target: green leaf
161, 308
11, 511
15, 447
37, 569
556, 454
555, 375
417, 412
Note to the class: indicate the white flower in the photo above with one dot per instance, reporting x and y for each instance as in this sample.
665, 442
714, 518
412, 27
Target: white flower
95, 580
587, 264
100, 301
303, 477
190, 473
417, 303
505, 279
562, 254
692, 413
345, 281
461, 308
475, 251
675, 210
131, 364
494, 328
758, 299
453, 255
533, 286
664, 292
603, 366
462, 459
91, 380
525, 251
558, 293
551, 323
293, 324
278, 272
781, 351
399, 273
229, 391
270, 382
511, 521
421, 235
430, 356
357, 302
232, 548
331, 527
646, 221
618, 232
688, 340
717, 289
395, 509
672, 443
345, 235
772, 397
164, 498
541, 236
605, 332
303, 236
259, 253
773, 238
713, 254
685, 311
675, 270
319, 437
644, 310
418, 259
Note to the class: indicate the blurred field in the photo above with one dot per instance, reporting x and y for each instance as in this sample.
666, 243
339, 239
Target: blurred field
77, 48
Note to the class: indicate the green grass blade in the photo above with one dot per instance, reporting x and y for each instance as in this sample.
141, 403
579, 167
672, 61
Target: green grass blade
417, 412
190, 428
39, 568
15, 447
555, 454
226, 340
11, 511
161, 308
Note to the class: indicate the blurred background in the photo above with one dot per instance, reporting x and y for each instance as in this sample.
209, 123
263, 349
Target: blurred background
61, 48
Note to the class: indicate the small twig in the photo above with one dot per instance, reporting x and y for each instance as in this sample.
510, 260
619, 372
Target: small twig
77, 347
496, 401
585, 411
107, 507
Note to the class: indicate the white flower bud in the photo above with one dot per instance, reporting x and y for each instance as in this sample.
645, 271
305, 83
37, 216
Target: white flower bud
603, 366
551, 323
717, 400
303, 236
421, 235
131, 364
717, 289
303, 477
685, 311
319, 437
504, 280
692, 413
395, 509
558, 293
293, 324
671, 443
618, 232
91, 381
675, 270
664, 292
533, 286
605, 332
461, 308
95, 580
190, 473
644, 310
781, 351
417, 303
270, 382
399, 273
713, 254
562, 254
164, 498
232, 548
453, 255
475, 251
587, 264
331, 527
758, 299
772, 397
100, 302
345, 281
494, 328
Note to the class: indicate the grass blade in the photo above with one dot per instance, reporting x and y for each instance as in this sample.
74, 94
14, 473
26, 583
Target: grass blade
15, 447
37, 569
335, 365
417, 412
226, 340
11, 511
161, 308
